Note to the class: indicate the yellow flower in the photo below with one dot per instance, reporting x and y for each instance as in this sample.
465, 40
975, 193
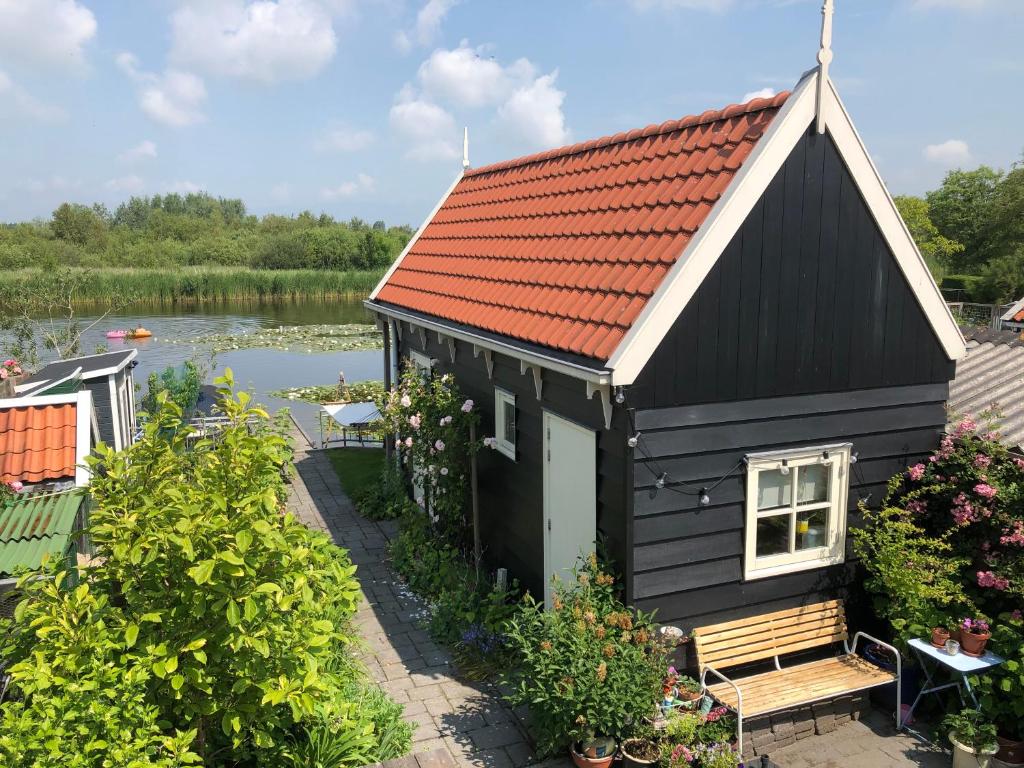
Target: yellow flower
602, 672
589, 617
546, 645
557, 603
581, 720
608, 650
600, 632
604, 579
592, 559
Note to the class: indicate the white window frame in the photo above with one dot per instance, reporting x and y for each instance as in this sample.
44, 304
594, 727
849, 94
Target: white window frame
834, 549
424, 364
501, 441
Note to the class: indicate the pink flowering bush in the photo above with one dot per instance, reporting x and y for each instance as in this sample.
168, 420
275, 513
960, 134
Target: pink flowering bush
431, 424
949, 542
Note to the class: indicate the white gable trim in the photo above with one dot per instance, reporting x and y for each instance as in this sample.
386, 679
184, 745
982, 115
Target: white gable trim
1013, 310
728, 215
84, 427
415, 237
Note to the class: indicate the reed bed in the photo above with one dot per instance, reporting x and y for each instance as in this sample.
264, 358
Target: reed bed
208, 284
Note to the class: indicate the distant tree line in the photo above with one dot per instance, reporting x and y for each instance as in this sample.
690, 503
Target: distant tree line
197, 229
971, 232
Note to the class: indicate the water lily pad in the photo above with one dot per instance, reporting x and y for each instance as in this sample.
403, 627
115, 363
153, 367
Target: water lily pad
295, 338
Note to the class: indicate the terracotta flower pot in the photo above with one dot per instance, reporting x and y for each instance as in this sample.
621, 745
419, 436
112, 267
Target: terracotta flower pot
973, 643
939, 637
580, 761
1010, 750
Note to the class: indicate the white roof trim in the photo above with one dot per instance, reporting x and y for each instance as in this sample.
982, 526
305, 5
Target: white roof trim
97, 372
1017, 307
415, 237
753, 178
84, 422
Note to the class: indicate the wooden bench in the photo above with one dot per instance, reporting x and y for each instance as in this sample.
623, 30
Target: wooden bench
772, 635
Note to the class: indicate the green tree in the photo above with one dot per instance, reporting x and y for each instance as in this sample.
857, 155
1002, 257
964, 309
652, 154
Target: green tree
1002, 280
961, 209
939, 252
79, 224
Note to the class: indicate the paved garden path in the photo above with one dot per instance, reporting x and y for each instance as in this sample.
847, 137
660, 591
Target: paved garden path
459, 722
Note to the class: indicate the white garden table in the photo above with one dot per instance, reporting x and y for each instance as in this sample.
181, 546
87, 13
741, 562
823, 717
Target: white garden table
957, 667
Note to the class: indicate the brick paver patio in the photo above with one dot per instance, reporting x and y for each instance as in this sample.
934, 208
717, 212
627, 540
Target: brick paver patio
464, 723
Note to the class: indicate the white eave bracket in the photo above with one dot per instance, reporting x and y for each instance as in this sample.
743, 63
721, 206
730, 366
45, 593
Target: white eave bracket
538, 383
605, 391
423, 336
488, 358
442, 338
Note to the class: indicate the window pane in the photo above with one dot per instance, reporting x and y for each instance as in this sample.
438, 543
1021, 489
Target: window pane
773, 535
812, 529
774, 489
812, 485
509, 434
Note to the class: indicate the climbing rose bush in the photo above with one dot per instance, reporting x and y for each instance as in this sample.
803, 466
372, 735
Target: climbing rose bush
431, 423
949, 543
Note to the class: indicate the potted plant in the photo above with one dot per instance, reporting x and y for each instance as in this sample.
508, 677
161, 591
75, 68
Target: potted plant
689, 691
587, 669
11, 373
640, 751
974, 634
939, 636
973, 738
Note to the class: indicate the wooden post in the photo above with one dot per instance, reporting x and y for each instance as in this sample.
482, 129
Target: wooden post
388, 384
477, 549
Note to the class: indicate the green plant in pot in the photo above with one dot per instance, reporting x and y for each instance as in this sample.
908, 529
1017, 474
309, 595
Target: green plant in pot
588, 669
973, 737
641, 750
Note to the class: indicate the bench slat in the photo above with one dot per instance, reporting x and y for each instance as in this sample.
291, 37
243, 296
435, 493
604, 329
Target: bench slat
768, 617
767, 636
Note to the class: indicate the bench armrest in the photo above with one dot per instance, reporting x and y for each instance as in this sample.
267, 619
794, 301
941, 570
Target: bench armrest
739, 699
853, 648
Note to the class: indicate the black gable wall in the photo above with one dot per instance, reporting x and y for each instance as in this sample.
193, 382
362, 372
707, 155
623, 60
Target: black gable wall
804, 333
807, 298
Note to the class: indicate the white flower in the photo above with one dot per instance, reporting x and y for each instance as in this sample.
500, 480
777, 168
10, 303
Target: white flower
406, 402
408, 442
467, 406
439, 445
444, 470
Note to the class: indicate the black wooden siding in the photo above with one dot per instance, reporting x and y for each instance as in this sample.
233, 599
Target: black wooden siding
806, 298
688, 559
100, 389
511, 493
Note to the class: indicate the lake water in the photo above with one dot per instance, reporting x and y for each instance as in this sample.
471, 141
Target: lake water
257, 370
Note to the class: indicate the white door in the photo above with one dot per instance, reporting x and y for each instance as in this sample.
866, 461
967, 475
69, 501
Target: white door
570, 496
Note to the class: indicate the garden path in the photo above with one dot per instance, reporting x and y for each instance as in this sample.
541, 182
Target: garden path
459, 722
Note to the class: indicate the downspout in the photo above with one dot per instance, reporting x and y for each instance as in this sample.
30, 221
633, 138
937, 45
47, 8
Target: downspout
389, 381
392, 363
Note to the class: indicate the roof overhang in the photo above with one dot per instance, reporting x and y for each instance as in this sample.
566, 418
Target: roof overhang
769, 154
86, 427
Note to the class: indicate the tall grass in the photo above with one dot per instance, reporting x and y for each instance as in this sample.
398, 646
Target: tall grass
209, 284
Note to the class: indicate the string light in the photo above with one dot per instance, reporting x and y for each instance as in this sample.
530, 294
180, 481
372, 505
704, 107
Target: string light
784, 469
631, 442
660, 482
826, 457
620, 395
853, 457
704, 498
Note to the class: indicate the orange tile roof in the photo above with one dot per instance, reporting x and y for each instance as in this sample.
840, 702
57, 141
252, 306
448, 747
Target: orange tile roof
1019, 317
563, 249
37, 442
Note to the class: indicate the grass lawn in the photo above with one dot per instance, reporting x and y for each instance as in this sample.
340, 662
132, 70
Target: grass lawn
357, 468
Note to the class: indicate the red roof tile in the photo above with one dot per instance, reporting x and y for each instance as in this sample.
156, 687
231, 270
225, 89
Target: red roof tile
564, 248
37, 442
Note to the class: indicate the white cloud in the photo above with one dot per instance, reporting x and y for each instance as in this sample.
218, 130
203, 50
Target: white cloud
266, 41
174, 98
344, 138
690, 5
466, 78
144, 149
183, 187
130, 184
967, 5
281, 192
429, 129
762, 93
949, 153
363, 183
52, 184
26, 104
428, 24
53, 33
533, 113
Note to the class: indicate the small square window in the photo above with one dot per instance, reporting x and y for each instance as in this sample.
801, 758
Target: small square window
505, 422
796, 509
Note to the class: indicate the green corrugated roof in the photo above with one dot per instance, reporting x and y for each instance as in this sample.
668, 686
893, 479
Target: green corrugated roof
33, 525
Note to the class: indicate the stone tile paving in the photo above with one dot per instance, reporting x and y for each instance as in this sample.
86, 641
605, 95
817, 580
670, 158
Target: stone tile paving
453, 715
466, 722
871, 742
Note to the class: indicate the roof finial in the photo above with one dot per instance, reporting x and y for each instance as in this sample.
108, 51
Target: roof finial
824, 59
465, 148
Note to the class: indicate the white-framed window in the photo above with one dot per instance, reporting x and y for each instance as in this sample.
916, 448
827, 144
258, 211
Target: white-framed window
505, 422
421, 362
796, 509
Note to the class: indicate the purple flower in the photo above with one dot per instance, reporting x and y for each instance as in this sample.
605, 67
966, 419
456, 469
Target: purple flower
467, 406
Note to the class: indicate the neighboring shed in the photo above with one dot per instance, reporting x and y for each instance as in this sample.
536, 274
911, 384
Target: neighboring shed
44, 439
991, 378
701, 342
110, 379
1013, 318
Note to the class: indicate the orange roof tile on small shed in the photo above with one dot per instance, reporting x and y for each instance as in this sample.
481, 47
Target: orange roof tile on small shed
563, 249
37, 442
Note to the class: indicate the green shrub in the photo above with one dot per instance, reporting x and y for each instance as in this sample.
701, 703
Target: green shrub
587, 667
387, 499
181, 388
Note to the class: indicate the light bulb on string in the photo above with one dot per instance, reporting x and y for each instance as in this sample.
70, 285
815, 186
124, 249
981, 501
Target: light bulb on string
853, 457
620, 395
632, 441
704, 499
784, 469
660, 482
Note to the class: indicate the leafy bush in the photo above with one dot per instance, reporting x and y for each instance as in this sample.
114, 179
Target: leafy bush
950, 543
386, 499
971, 729
227, 620
182, 388
587, 667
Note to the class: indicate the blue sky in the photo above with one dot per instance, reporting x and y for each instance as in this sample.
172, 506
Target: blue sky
356, 107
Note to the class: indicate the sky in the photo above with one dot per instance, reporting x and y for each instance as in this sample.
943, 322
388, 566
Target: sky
357, 107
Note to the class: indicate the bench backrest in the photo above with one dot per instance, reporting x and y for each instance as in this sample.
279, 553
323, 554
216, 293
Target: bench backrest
771, 634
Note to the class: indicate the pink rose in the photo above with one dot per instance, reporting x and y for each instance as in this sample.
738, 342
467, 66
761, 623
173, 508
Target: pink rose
408, 442
16, 486
439, 445
405, 401
414, 421
467, 406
